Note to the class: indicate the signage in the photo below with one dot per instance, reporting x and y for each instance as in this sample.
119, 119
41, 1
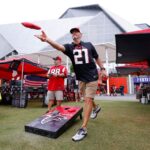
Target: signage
141, 80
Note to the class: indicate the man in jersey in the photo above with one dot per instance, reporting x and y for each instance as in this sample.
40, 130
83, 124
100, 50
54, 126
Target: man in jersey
82, 55
56, 75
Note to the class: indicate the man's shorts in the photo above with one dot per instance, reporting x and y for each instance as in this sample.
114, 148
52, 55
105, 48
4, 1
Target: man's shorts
51, 95
88, 89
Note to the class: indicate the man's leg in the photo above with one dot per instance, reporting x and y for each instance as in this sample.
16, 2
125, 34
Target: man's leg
50, 104
50, 97
82, 132
94, 105
59, 97
59, 102
88, 106
89, 90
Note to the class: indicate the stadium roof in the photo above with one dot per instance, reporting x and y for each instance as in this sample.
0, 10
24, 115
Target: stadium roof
143, 25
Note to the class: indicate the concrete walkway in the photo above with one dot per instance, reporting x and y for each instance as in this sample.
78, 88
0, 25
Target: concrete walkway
117, 98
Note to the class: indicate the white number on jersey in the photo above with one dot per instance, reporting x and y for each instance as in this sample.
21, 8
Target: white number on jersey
79, 55
55, 71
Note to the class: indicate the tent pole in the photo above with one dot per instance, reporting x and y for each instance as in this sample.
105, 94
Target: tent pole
107, 69
130, 84
22, 71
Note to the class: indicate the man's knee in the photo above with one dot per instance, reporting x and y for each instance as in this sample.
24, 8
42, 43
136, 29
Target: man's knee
51, 101
88, 100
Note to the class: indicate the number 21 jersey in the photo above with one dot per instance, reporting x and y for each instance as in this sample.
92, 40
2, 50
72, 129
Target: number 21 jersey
82, 57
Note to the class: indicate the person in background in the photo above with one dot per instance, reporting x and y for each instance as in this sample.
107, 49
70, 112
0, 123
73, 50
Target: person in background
56, 75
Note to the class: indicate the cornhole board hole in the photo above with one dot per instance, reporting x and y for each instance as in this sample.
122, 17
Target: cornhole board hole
55, 122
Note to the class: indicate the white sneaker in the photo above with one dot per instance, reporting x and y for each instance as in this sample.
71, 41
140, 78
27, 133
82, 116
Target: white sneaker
81, 134
95, 112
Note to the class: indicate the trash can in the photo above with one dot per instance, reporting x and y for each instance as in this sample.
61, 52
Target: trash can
144, 100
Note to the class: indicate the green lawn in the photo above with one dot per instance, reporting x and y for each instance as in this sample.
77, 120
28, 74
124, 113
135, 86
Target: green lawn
119, 126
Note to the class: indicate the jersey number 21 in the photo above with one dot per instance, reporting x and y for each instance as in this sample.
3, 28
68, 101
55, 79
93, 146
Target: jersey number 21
78, 54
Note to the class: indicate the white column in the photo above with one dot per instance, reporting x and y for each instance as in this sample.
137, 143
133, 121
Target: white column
107, 69
22, 74
130, 84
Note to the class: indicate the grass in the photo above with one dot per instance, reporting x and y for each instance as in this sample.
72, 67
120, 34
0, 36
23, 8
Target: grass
119, 126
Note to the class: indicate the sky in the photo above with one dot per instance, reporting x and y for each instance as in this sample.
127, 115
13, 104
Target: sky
16, 11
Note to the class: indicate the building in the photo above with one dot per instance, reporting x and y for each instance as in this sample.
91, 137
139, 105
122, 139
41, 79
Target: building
97, 24
6, 49
143, 25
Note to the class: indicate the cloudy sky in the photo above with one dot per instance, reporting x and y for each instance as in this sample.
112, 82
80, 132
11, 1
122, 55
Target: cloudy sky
15, 11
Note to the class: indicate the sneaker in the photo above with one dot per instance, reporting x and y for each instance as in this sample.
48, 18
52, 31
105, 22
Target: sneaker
95, 112
81, 134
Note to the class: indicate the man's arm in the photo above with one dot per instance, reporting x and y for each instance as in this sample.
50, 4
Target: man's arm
44, 38
49, 74
64, 74
100, 64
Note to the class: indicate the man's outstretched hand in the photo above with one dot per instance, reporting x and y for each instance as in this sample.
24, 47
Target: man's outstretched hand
42, 37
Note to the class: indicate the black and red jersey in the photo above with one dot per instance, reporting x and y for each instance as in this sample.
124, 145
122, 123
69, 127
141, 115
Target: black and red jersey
82, 57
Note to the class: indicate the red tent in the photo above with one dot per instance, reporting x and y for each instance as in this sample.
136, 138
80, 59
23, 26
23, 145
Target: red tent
21, 65
147, 31
133, 46
133, 68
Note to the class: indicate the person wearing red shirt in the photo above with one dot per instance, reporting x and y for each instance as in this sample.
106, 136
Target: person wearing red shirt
56, 75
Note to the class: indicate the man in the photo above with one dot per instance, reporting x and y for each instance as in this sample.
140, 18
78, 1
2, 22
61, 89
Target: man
56, 75
81, 55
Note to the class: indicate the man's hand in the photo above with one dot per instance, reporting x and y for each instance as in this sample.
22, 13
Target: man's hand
54, 75
42, 37
61, 75
49, 75
103, 73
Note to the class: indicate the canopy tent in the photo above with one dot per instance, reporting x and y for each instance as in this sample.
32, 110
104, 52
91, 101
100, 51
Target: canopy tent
45, 57
5, 74
106, 51
6, 48
133, 46
22, 65
133, 68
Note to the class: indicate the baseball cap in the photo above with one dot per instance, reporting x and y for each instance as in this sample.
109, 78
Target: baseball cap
57, 58
74, 29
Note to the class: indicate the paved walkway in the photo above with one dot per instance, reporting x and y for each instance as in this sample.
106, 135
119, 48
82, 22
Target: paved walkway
117, 98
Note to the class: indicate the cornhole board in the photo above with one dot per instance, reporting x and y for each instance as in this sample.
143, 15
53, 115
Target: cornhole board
55, 122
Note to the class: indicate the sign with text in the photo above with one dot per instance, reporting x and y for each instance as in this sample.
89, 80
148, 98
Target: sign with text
141, 79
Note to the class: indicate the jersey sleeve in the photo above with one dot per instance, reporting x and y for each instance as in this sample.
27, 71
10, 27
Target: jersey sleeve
67, 49
94, 52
